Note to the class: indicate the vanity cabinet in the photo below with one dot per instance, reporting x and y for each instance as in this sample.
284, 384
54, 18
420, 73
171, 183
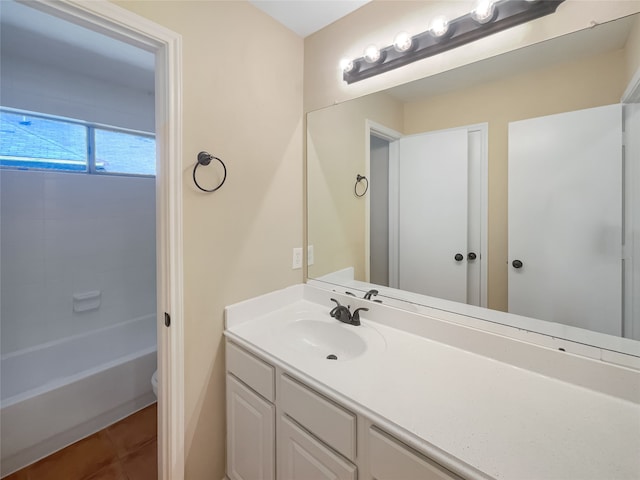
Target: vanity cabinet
301, 456
314, 436
251, 417
331, 423
250, 435
390, 460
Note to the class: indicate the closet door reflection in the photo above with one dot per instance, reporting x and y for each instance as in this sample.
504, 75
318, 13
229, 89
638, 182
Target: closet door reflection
565, 218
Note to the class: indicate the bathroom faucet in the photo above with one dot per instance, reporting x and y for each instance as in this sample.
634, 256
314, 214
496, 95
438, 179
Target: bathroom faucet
343, 314
370, 293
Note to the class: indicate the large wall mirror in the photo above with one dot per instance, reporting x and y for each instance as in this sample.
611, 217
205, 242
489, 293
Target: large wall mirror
500, 190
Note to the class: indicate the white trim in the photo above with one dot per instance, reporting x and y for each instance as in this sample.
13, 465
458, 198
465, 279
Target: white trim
386, 133
484, 211
632, 92
394, 212
630, 100
367, 205
117, 22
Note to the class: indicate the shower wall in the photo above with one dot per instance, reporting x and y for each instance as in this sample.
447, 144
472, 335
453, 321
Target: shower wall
77, 253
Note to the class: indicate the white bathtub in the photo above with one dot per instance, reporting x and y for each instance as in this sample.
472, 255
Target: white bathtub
57, 393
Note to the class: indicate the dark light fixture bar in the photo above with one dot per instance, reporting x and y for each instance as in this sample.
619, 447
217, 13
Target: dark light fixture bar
489, 17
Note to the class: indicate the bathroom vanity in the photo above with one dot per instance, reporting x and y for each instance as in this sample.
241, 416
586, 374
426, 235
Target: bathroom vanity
414, 397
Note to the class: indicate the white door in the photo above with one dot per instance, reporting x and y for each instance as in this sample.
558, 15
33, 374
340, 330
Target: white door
565, 218
432, 219
250, 434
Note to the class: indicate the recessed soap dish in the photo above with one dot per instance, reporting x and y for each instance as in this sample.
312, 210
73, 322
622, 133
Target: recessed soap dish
86, 301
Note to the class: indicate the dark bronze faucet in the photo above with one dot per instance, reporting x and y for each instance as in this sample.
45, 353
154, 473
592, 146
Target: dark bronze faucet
342, 313
370, 293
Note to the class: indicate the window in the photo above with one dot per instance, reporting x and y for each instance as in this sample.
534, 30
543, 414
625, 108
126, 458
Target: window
123, 152
33, 141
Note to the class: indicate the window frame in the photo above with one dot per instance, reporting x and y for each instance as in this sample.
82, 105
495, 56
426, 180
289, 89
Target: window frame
91, 128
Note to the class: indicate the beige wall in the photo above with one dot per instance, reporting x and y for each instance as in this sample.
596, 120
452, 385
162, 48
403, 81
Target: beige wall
243, 101
242, 94
571, 86
336, 136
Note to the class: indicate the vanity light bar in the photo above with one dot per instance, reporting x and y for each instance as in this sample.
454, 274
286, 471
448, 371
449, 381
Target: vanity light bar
487, 18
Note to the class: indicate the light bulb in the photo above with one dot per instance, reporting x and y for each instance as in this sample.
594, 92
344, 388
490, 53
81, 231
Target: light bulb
372, 54
484, 11
439, 27
346, 65
402, 42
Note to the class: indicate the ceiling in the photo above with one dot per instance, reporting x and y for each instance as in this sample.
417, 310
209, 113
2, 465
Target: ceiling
305, 17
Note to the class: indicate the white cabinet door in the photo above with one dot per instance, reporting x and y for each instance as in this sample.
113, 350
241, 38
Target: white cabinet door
302, 457
565, 218
433, 214
391, 460
250, 434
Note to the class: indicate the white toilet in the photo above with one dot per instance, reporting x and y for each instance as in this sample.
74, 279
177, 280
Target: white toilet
154, 383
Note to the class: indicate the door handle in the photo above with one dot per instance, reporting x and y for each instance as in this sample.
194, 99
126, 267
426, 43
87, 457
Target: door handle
459, 257
471, 256
517, 264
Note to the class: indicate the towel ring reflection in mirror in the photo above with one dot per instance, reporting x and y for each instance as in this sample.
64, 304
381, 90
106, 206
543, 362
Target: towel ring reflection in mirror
204, 158
359, 178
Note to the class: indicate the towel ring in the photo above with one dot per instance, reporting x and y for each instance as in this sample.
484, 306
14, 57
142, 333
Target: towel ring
359, 178
204, 158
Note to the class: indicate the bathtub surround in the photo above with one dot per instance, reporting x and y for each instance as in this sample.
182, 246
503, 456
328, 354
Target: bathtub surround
78, 306
78, 254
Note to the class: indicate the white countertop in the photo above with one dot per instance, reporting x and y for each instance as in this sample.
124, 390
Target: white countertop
502, 420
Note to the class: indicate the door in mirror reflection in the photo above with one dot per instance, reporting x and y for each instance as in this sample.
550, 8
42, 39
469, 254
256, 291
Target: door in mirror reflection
566, 218
426, 191
433, 214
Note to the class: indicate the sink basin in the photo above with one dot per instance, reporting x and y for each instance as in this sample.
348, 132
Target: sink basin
329, 339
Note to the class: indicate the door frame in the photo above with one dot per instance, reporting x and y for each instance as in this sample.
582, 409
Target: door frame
385, 133
631, 249
109, 19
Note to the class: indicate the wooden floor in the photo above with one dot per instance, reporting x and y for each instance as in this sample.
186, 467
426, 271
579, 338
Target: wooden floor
126, 450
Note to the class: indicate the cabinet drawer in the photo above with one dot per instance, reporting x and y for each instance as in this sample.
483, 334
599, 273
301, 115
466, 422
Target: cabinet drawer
391, 460
331, 423
302, 457
251, 370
